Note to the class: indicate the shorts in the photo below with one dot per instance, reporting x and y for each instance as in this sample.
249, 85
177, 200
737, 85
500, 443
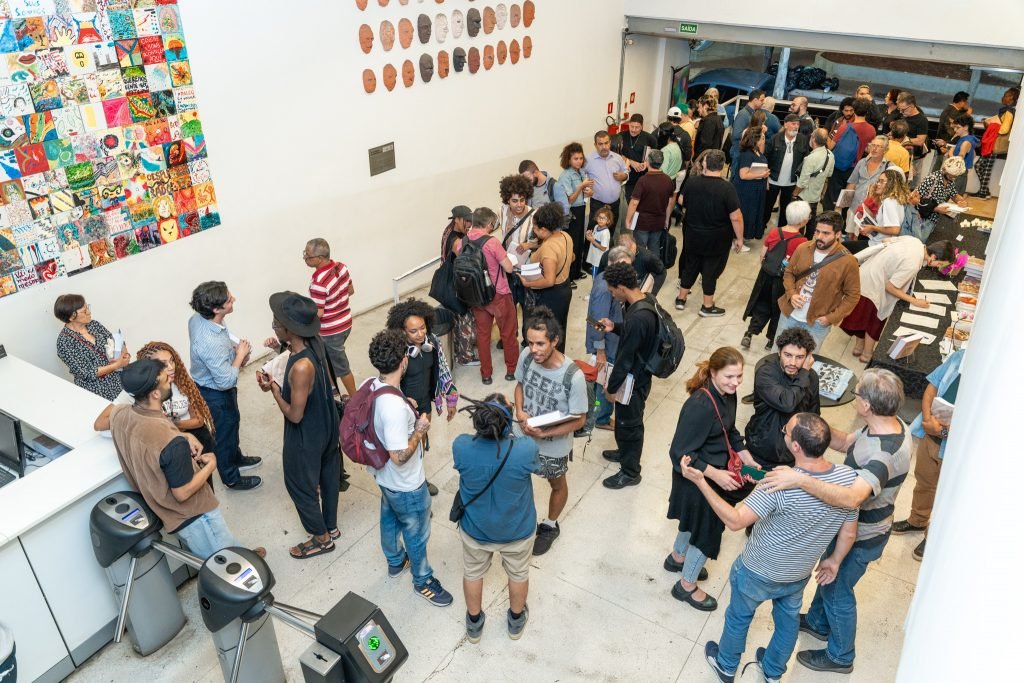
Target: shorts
515, 558
553, 468
335, 344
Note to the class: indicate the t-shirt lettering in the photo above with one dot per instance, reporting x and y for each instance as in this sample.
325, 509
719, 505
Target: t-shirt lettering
807, 290
544, 392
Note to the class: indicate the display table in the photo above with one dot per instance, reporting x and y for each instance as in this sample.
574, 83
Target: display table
55, 597
915, 369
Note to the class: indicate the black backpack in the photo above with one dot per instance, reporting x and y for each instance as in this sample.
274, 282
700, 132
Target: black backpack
670, 346
473, 284
774, 262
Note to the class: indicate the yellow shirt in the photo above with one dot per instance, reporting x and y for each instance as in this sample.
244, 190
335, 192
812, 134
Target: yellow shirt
558, 248
898, 155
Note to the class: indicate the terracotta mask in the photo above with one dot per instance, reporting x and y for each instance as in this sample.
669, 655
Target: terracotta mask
387, 35
365, 39
361, 4
423, 28
442, 64
490, 20
502, 52
390, 77
408, 73
405, 33
527, 47
383, 3
369, 80
488, 57
474, 60
473, 22
426, 68
514, 16
529, 13
513, 51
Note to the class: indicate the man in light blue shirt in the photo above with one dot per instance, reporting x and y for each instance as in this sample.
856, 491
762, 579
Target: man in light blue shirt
608, 171
217, 356
743, 120
931, 428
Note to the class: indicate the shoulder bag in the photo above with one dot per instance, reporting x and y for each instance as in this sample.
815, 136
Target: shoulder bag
735, 463
458, 507
818, 266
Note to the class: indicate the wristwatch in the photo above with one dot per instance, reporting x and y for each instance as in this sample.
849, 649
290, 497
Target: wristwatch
944, 433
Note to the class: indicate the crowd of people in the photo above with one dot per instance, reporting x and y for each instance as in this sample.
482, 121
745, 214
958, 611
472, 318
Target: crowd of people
605, 217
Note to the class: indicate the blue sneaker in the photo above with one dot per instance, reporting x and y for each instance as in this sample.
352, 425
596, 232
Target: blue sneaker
759, 663
711, 654
394, 571
434, 593
516, 626
475, 629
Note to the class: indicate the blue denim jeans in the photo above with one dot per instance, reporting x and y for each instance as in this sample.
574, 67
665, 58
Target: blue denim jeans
834, 608
748, 591
695, 559
226, 418
818, 331
606, 406
207, 535
9, 667
406, 514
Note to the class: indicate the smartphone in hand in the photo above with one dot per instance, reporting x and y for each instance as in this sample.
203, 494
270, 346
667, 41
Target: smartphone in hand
595, 323
752, 472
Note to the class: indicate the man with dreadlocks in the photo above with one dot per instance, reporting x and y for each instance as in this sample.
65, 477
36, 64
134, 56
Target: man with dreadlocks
428, 379
496, 486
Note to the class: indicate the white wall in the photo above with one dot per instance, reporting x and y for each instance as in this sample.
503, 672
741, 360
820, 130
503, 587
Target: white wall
948, 21
288, 127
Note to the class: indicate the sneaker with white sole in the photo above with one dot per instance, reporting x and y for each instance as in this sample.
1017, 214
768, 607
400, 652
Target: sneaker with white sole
744, 249
516, 626
711, 312
759, 663
711, 655
434, 593
394, 571
474, 629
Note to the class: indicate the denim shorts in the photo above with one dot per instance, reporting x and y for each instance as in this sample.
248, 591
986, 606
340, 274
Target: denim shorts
207, 534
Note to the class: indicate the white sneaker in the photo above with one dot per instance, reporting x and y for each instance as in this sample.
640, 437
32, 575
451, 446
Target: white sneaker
744, 249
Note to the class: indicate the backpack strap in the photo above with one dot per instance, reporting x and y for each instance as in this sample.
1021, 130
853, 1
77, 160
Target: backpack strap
570, 372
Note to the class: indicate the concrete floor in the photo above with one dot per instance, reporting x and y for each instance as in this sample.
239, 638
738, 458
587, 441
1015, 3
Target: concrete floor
599, 600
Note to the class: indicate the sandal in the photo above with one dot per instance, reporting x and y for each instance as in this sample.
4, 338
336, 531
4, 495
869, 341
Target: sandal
857, 351
311, 548
335, 534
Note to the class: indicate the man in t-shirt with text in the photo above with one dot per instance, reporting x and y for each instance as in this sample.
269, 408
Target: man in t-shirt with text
404, 501
549, 382
822, 282
791, 531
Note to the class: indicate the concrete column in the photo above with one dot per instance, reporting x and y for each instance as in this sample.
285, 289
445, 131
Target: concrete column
964, 622
780, 78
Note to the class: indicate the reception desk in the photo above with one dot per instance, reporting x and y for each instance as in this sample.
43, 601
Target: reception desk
53, 593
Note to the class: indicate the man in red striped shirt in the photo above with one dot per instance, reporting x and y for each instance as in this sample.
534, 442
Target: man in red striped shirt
331, 289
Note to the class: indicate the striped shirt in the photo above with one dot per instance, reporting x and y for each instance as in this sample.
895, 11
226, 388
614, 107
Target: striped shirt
212, 353
883, 462
329, 290
794, 528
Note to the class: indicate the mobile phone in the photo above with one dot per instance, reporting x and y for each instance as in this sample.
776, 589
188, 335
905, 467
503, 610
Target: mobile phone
752, 472
595, 323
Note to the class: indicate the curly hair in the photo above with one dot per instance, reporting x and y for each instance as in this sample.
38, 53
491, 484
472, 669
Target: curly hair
621, 274
896, 187
387, 349
550, 216
209, 296
796, 336
514, 184
542, 319
400, 312
572, 148
196, 404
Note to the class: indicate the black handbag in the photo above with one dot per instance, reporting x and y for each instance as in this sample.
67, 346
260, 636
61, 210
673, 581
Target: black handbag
458, 507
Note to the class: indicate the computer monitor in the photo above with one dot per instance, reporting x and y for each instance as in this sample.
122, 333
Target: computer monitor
12, 446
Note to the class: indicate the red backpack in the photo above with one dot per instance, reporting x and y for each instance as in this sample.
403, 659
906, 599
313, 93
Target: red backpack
359, 440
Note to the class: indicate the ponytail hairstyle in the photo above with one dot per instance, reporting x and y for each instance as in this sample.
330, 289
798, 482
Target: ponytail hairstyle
722, 357
196, 405
492, 418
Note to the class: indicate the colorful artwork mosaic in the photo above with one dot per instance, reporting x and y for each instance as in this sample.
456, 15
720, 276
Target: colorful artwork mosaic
102, 150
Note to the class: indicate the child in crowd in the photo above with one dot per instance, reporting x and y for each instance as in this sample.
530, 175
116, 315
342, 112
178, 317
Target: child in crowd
600, 237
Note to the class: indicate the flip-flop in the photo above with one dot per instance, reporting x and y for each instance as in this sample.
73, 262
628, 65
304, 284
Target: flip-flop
311, 548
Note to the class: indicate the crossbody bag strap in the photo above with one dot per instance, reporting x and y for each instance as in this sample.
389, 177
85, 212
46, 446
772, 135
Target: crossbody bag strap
515, 228
721, 422
494, 476
827, 260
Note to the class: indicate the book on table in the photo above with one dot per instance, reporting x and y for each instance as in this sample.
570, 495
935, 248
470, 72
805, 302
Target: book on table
905, 346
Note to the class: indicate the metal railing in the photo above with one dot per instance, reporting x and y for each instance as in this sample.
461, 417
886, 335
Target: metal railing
409, 273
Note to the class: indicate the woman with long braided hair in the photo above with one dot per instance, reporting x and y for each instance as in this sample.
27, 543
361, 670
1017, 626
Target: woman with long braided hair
496, 488
186, 407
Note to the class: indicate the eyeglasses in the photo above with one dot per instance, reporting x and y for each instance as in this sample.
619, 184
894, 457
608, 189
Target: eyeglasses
306, 257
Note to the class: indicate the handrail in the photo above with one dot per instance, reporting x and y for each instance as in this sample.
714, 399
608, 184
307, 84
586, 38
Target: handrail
398, 278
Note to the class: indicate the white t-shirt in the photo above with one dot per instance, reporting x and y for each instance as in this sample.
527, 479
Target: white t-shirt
889, 213
176, 407
897, 262
807, 290
786, 170
602, 236
394, 422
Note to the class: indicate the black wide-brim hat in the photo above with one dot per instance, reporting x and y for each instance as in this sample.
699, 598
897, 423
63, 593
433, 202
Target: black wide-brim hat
296, 313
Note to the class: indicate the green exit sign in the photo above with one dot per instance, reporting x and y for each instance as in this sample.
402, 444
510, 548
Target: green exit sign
690, 29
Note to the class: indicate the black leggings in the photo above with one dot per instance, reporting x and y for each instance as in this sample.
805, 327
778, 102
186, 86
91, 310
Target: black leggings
709, 266
577, 218
557, 298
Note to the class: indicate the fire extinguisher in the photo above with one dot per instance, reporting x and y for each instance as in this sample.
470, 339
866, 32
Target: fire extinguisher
624, 123
613, 128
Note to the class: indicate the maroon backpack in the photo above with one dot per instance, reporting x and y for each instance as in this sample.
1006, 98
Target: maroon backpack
359, 440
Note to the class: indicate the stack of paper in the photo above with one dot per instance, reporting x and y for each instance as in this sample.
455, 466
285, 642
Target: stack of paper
904, 331
933, 297
625, 392
975, 267
276, 366
941, 285
530, 271
919, 321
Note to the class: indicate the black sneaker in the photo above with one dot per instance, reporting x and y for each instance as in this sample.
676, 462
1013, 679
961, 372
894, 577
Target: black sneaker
904, 527
474, 629
546, 535
516, 626
431, 489
680, 304
918, 553
486, 380
572, 283
621, 480
759, 663
711, 312
583, 276
248, 462
612, 456
818, 660
745, 342
246, 484
676, 567
394, 571
711, 655
805, 626
510, 377
769, 344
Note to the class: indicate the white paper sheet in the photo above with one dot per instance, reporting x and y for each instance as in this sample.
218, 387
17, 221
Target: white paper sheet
118, 344
942, 285
932, 309
934, 297
919, 320
845, 199
904, 331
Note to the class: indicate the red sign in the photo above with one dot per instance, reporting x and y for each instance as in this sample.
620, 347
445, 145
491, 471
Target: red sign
632, 97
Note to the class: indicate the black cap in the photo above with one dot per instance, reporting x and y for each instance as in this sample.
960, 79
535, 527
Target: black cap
296, 313
142, 376
790, 118
461, 211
